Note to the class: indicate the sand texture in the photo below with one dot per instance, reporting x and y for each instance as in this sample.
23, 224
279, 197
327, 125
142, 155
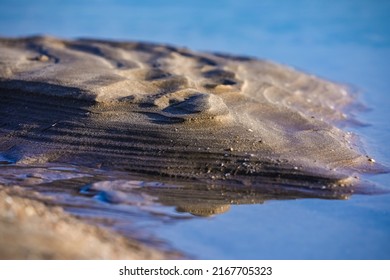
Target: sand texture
167, 111
31, 230
89, 124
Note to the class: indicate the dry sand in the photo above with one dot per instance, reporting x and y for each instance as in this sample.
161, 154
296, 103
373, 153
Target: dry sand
31, 230
160, 110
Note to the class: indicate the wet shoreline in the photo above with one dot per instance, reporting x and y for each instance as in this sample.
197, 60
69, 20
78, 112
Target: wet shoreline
127, 135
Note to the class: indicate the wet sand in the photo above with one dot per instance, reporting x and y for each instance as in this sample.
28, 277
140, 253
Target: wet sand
230, 122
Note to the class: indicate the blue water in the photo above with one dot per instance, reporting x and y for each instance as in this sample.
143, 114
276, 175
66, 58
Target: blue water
344, 41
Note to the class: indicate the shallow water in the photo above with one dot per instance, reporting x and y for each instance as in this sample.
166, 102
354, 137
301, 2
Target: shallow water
346, 42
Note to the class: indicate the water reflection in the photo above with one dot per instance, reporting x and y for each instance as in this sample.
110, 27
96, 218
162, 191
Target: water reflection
121, 190
136, 208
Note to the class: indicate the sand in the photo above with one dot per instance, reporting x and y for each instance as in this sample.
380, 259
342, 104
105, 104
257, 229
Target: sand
170, 112
31, 230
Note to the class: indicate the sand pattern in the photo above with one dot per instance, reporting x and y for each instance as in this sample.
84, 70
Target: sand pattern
114, 132
161, 110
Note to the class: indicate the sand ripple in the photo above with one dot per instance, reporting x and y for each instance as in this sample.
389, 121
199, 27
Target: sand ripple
161, 110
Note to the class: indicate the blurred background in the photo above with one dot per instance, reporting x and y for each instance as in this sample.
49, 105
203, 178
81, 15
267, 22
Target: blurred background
273, 29
347, 41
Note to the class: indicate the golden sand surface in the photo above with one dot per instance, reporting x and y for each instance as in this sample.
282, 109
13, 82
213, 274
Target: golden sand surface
171, 111
31, 230
167, 112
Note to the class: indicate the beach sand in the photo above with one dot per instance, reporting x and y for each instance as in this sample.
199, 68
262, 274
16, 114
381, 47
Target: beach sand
31, 230
169, 112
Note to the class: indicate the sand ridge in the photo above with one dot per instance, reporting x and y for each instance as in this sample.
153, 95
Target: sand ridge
168, 111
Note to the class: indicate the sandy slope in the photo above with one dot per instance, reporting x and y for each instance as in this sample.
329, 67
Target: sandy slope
171, 111
231, 123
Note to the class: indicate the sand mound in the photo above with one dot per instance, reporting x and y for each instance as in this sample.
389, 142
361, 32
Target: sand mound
156, 109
